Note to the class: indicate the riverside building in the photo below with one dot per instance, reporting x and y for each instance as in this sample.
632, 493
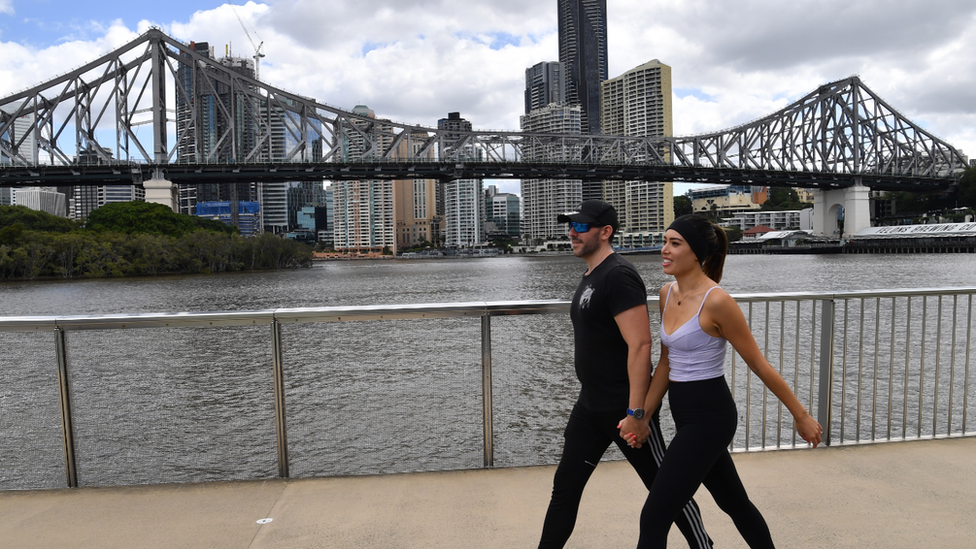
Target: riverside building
638, 104
42, 199
544, 199
464, 211
415, 203
727, 200
503, 214
364, 219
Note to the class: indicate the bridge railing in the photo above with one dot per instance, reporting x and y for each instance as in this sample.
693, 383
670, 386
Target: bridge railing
188, 397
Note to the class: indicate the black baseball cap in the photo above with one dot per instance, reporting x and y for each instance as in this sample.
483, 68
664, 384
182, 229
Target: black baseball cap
595, 212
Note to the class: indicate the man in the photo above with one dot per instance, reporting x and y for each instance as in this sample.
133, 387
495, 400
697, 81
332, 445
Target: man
613, 363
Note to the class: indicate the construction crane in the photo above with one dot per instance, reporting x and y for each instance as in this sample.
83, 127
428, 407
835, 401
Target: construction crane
258, 54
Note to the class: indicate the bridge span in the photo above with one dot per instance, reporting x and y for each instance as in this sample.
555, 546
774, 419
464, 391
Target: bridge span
158, 112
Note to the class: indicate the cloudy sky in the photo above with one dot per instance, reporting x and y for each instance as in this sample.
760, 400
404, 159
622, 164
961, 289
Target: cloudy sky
414, 61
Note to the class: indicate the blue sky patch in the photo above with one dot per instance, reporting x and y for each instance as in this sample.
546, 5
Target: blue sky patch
681, 93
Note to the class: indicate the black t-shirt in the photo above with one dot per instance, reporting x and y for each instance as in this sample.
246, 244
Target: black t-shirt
601, 352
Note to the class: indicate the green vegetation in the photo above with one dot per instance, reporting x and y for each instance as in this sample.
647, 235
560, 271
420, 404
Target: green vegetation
782, 198
682, 204
952, 207
147, 218
133, 239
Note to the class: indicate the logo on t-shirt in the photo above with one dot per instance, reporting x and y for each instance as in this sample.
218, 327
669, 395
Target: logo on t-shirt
585, 298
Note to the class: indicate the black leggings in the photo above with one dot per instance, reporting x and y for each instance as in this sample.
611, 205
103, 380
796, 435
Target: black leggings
588, 435
705, 416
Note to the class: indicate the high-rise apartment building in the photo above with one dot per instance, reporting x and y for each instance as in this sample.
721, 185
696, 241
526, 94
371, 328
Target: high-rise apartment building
638, 103
364, 209
42, 199
545, 83
583, 52
88, 198
544, 199
18, 139
207, 117
415, 202
464, 212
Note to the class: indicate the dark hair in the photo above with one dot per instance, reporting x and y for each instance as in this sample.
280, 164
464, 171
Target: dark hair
714, 238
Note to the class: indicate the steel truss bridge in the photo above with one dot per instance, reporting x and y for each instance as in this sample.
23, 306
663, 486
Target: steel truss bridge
159, 109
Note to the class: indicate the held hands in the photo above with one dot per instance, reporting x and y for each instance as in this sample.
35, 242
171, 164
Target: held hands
634, 431
809, 429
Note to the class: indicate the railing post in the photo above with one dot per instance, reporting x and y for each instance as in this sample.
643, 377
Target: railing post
279, 398
486, 389
826, 367
67, 429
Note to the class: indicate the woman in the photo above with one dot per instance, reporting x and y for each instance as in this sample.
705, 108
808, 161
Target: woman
698, 319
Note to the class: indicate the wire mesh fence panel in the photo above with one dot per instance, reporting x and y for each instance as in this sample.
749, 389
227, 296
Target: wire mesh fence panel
383, 396
534, 387
31, 440
172, 405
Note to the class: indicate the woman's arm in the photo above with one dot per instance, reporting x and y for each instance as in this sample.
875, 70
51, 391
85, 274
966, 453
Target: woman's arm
658, 386
723, 317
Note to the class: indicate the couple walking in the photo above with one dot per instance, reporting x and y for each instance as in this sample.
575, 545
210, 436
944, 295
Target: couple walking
619, 400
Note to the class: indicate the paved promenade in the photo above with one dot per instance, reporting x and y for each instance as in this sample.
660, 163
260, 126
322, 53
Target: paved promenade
897, 495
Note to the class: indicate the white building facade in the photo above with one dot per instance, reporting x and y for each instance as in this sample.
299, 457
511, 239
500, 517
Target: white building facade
544, 199
777, 220
363, 209
41, 199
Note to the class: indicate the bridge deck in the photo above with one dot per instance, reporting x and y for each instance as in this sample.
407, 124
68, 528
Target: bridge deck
912, 494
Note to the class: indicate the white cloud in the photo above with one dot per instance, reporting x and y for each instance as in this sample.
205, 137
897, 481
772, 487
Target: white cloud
416, 60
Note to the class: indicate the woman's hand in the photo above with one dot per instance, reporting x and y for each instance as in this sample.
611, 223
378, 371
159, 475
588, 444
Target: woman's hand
809, 429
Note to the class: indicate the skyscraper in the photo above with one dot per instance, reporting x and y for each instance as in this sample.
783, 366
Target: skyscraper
415, 201
545, 83
544, 199
364, 219
464, 207
583, 52
503, 214
638, 103
205, 114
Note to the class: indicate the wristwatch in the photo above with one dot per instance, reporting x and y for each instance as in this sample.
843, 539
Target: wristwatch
638, 413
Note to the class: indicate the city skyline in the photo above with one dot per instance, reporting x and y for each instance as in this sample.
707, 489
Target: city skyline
731, 64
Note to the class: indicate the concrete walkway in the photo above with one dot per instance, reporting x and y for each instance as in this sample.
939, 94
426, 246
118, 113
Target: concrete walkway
897, 495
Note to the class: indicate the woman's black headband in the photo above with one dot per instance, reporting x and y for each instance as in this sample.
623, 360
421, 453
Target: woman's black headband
692, 237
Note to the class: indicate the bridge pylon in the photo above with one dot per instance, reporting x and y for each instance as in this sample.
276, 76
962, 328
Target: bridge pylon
852, 204
162, 191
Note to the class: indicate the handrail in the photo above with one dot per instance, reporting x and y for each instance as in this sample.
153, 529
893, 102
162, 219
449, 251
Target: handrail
398, 312
938, 385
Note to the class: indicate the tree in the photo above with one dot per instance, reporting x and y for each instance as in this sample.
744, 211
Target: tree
966, 193
783, 198
682, 205
33, 220
148, 218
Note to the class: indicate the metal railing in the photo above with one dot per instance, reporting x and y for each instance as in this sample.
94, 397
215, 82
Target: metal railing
178, 397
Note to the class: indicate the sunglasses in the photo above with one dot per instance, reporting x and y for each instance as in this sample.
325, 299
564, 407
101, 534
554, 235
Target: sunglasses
579, 227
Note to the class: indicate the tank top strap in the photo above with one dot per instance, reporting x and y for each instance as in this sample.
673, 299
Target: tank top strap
700, 307
668, 297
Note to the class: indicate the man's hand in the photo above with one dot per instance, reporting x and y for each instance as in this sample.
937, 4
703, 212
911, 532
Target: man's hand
634, 431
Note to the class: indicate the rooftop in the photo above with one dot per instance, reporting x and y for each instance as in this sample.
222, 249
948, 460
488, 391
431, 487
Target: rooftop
902, 494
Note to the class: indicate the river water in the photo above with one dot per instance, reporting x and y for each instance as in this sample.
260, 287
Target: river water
195, 404
506, 278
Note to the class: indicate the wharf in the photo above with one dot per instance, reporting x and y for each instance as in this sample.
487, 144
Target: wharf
892, 495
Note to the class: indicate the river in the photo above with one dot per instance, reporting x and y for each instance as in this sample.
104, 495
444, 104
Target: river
195, 404
505, 278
